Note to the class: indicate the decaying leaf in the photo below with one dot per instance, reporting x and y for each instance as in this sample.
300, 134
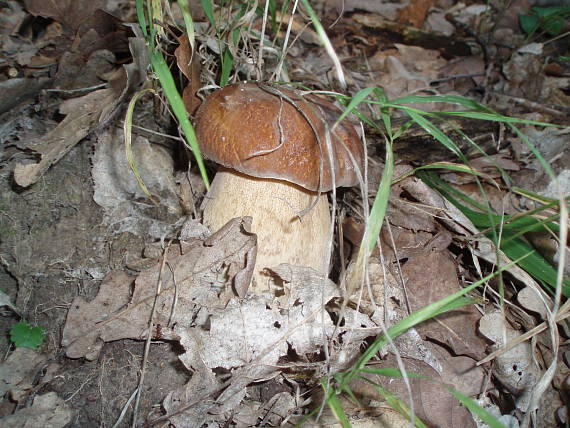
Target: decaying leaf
189, 65
17, 373
70, 12
47, 411
83, 115
127, 208
431, 277
195, 277
516, 368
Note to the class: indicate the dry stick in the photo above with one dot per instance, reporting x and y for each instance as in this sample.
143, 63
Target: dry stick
149, 336
119, 421
536, 106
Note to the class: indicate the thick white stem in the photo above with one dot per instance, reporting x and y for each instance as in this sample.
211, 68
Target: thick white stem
273, 205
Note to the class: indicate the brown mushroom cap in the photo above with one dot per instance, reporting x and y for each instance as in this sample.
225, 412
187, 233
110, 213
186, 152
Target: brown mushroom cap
239, 127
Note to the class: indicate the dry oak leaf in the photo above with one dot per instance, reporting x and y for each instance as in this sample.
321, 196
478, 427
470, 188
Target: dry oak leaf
69, 12
189, 286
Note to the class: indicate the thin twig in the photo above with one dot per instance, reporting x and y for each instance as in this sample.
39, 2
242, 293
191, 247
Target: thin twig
149, 336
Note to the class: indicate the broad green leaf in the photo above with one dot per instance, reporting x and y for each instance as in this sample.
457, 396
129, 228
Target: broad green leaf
24, 335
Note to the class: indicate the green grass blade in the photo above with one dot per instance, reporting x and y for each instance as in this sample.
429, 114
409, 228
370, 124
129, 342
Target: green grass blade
141, 17
127, 131
335, 405
189, 23
389, 372
208, 9
354, 103
449, 166
227, 66
325, 41
434, 131
449, 99
484, 415
380, 204
448, 303
175, 100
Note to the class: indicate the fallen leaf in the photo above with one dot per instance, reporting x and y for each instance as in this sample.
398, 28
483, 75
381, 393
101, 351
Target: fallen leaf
516, 369
415, 12
47, 411
431, 277
81, 115
69, 12
249, 337
195, 279
116, 190
407, 70
18, 372
189, 65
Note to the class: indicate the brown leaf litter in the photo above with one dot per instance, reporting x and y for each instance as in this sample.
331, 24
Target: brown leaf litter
93, 47
254, 359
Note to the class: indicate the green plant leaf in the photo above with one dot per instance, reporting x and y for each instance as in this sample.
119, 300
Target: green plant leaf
208, 9
513, 246
335, 405
395, 403
554, 26
24, 335
528, 23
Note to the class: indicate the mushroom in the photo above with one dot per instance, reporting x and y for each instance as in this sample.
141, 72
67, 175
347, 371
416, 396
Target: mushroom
271, 145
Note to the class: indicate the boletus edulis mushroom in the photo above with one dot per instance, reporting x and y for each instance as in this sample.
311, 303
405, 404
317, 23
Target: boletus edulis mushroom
270, 143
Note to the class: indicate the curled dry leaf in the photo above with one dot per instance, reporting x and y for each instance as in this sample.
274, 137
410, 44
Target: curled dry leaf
516, 368
189, 65
193, 280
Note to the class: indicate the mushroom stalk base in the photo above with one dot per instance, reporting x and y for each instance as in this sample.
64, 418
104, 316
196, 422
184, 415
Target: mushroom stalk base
273, 205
